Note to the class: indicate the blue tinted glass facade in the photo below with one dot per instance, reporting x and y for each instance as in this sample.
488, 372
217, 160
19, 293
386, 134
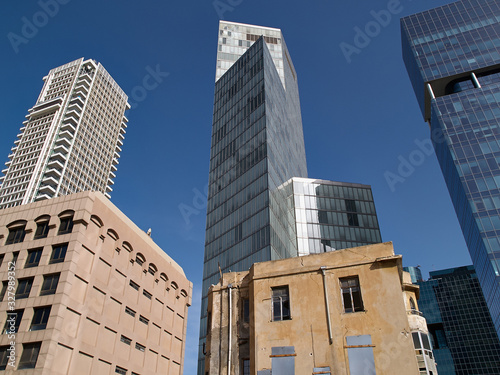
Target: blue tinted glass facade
452, 54
257, 145
462, 332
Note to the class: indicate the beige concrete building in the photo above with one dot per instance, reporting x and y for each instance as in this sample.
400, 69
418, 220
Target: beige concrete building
93, 293
342, 312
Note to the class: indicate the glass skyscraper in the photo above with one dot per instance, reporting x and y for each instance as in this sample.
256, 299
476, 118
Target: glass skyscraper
452, 54
257, 145
462, 332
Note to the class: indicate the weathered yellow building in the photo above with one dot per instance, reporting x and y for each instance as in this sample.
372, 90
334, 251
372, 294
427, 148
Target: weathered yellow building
349, 312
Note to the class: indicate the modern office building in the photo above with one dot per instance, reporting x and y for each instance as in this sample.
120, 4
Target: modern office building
460, 326
71, 139
452, 54
351, 311
415, 273
93, 294
257, 145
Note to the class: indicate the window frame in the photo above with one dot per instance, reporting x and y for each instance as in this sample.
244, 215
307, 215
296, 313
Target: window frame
42, 229
282, 301
344, 290
48, 292
16, 234
38, 254
66, 225
19, 317
27, 287
43, 318
34, 348
56, 249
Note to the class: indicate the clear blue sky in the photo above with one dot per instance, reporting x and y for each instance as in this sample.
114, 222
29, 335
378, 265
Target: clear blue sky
360, 117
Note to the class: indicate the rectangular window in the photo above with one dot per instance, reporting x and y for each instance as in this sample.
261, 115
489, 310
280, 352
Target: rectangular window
58, 253
24, 288
351, 294
120, 370
13, 321
49, 285
134, 285
4, 290
16, 235
129, 311
29, 356
281, 303
15, 255
245, 367
4, 357
42, 230
33, 259
360, 355
140, 347
40, 318
125, 340
66, 225
246, 310
147, 294
143, 320
283, 360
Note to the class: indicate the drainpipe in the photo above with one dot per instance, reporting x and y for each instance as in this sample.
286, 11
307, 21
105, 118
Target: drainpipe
325, 289
229, 288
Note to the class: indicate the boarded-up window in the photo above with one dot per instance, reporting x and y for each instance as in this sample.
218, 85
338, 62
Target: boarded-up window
360, 355
283, 360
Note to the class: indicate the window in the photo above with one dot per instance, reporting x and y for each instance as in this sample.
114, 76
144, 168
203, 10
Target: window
413, 307
152, 269
125, 340
2, 256
129, 311
134, 285
40, 318
120, 370
33, 259
281, 303
16, 234
246, 310
147, 294
42, 230
29, 356
49, 285
15, 255
351, 294
13, 321
24, 288
360, 355
58, 253
143, 320
4, 289
4, 357
245, 367
66, 225
139, 258
140, 347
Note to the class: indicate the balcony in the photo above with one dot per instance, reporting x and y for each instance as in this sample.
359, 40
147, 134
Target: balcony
47, 190
69, 125
53, 172
416, 320
55, 164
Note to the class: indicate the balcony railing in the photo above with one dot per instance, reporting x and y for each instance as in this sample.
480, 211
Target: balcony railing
414, 312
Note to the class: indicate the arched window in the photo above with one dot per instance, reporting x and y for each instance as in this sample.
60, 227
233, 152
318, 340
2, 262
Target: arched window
413, 307
112, 233
140, 259
174, 285
127, 246
163, 276
152, 269
17, 231
96, 220
66, 225
42, 227
183, 293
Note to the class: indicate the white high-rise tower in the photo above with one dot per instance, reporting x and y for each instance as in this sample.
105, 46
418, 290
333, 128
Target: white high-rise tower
71, 139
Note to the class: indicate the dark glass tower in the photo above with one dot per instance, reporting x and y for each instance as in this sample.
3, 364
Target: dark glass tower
452, 54
463, 335
257, 145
